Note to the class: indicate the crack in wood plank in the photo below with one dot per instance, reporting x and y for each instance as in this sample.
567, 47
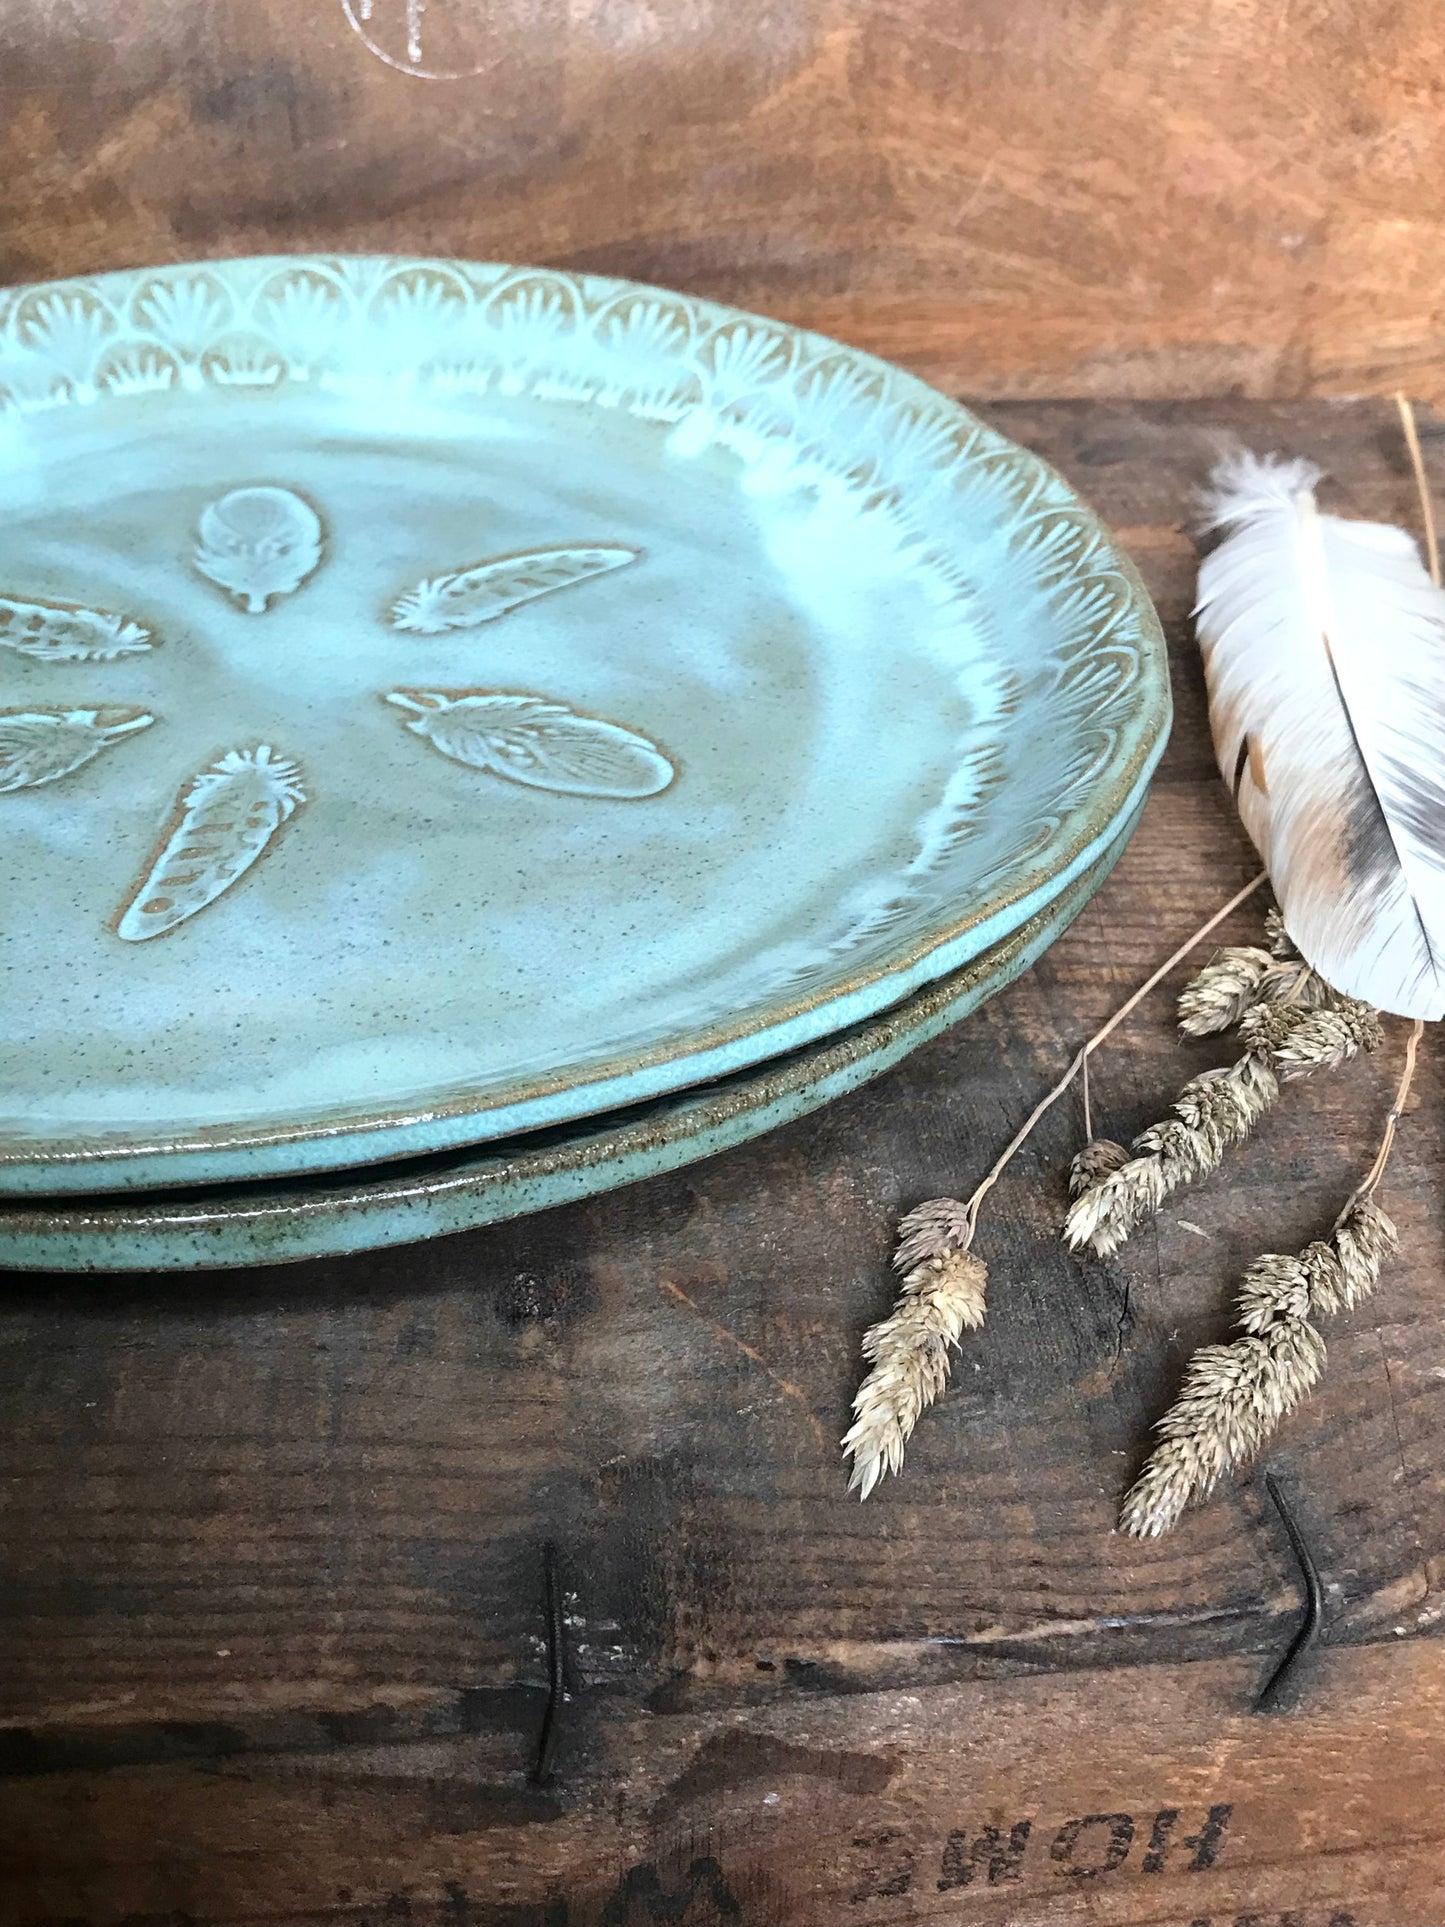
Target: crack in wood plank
1390, 1401
784, 1385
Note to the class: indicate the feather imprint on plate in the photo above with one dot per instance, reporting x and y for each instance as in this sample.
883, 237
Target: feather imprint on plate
227, 818
470, 597
258, 543
1324, 651
531, 740
42, 745
64, 632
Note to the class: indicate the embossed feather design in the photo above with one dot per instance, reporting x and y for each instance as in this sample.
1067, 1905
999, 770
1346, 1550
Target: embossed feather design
481, 594
57, 632
258, 543
42, 745
228, 816
1324, 651
534, 741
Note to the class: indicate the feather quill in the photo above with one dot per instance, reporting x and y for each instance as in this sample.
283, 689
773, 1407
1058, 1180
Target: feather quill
1324, 651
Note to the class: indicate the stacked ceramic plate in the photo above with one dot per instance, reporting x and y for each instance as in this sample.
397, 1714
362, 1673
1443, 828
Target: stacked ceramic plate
471, 736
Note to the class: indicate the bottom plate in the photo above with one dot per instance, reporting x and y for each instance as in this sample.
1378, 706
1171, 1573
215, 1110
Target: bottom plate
317, 1217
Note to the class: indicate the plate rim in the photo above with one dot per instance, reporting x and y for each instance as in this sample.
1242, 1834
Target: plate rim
333, 1214
373, 1132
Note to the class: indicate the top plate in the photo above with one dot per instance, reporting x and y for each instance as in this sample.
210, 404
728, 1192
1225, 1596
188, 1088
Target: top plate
441, 700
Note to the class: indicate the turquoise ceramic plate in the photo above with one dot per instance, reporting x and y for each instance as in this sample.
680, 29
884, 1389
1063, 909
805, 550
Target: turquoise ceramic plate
320, 1216
441, 701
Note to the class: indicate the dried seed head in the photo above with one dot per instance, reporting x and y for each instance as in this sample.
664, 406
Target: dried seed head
1185, 1151
947, 1290
1224, 1105
1244, 976
1274, 1287
932, 1230
1325, 1039
1173, 1475
1364, 1239
1295, 983
1267, 1027
1103, 1217
908, 1353
1221, 993
1232, 1398
1213, 1111
1099, 1157
1278, 938
1321, 1262
1298, 1040
1235, 1395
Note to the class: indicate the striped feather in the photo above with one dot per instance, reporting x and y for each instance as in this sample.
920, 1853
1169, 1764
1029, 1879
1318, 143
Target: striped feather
1324, 651
226, 818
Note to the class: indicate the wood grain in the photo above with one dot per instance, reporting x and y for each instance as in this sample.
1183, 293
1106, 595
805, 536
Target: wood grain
1151, 1798
271, 1590
1018, 197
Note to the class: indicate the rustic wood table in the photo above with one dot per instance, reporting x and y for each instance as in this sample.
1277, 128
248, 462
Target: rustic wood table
275, 1611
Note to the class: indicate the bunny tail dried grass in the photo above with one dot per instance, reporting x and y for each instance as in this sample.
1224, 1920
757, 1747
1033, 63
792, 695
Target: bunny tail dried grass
908, 1353
1234, 1396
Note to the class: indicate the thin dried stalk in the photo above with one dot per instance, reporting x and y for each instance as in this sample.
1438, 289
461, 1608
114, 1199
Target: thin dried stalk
1367, 1184
1234, 1396
1422, 484
1215, 1110
943, 1284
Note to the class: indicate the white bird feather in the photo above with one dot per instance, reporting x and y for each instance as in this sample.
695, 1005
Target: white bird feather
1324, 651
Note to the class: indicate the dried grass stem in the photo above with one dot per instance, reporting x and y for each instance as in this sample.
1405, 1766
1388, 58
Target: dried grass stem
943, 1287
1104, 1031
1234, 1396
1215, 1110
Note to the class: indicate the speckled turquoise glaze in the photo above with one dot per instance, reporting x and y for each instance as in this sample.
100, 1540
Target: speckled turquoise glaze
315, 1217
439, 701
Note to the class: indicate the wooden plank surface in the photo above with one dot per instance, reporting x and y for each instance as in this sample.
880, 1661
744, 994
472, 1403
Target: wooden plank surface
272, 1608
1033, 197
